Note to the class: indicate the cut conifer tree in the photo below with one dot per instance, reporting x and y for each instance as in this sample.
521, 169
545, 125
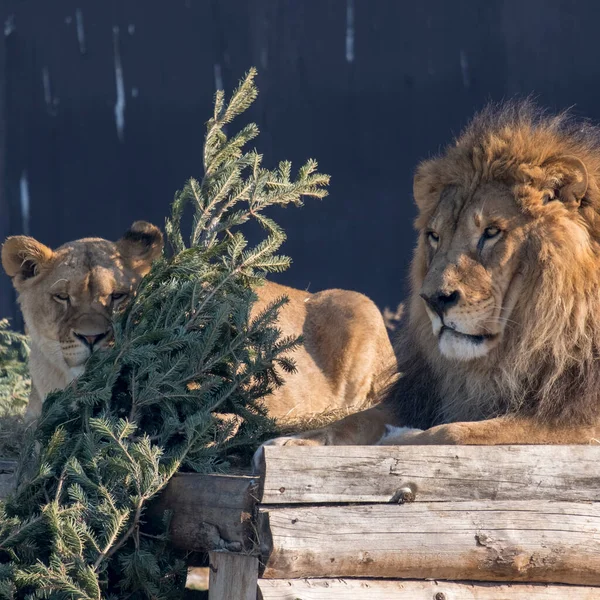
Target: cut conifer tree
185, 353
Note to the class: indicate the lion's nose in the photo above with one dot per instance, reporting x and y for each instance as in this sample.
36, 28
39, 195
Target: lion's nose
440, 302
91, 340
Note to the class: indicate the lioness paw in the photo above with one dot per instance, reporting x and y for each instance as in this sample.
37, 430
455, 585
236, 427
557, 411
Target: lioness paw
286, 440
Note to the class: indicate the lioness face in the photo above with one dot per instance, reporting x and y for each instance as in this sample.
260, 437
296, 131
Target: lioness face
67, 295
478, 244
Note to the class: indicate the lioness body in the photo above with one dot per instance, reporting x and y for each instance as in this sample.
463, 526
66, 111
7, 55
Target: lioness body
67, 297
502, 336
346, 358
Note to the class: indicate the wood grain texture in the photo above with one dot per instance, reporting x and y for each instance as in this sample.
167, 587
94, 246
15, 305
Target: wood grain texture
232, 576
431, 473
210, 512
7, 477
551, 542
372, 589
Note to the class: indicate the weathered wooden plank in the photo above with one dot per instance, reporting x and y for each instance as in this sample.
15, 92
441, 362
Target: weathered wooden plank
210, 512
7, 477
549, 542
232, 576
430, 473
372, 589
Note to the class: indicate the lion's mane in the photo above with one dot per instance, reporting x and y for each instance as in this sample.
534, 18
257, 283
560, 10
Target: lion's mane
547, 365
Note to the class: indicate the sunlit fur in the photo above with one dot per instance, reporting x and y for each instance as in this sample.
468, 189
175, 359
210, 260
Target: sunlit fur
68, 295
344, 362
544, 272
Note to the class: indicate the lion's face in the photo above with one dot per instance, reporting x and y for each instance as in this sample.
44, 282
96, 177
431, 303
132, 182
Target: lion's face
67, 295
479, 244
471, 260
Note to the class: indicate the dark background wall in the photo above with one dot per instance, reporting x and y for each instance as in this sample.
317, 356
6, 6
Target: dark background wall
368, 87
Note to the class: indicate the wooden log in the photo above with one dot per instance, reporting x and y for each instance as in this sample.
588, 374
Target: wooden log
430, 473
209, 512
232, 576
550, 542
372, 589
7, 477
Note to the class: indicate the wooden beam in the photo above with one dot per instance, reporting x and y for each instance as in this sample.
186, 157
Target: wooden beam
7, 477
210, 512
550, 542
372, 589
232, 576
430, 473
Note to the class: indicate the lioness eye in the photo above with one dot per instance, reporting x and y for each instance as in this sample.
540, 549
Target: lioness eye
118, 296
491, 232
61, 297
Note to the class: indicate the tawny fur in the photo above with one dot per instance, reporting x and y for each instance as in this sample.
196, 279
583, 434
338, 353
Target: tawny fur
345, 361
509, 220
546, 365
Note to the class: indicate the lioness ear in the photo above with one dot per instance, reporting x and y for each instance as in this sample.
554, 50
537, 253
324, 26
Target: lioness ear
569, 178
141, 244
23, 257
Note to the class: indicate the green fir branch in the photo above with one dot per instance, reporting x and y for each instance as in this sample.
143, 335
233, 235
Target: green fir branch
186, 363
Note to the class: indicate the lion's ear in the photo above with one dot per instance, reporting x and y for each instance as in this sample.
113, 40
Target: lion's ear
569, 177
426, 185
24, 257
141, 244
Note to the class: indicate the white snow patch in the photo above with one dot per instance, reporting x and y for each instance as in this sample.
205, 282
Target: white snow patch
394, 434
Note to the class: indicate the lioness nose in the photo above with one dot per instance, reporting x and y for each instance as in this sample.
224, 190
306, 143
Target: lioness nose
440, 302
91, 340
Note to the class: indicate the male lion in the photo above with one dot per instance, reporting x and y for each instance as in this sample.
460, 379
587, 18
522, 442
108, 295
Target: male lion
67, 297
502, 340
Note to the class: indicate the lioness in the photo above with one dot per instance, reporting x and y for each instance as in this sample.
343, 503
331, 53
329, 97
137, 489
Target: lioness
67, 296
502, 340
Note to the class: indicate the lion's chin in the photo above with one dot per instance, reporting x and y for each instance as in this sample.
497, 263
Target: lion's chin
461, 346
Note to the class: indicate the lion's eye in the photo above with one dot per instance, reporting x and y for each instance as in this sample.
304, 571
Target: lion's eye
118, 296
549, 197
433, 237
61, 297
491, 232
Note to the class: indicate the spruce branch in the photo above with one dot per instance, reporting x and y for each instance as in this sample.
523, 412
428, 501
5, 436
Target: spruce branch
187, 366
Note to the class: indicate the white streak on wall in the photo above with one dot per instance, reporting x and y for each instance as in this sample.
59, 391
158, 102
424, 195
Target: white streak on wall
9, 25
24, 189
80, 30
218, 77
120, 86
264, 57
47, 90
350, 31
464, 67
51, 103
